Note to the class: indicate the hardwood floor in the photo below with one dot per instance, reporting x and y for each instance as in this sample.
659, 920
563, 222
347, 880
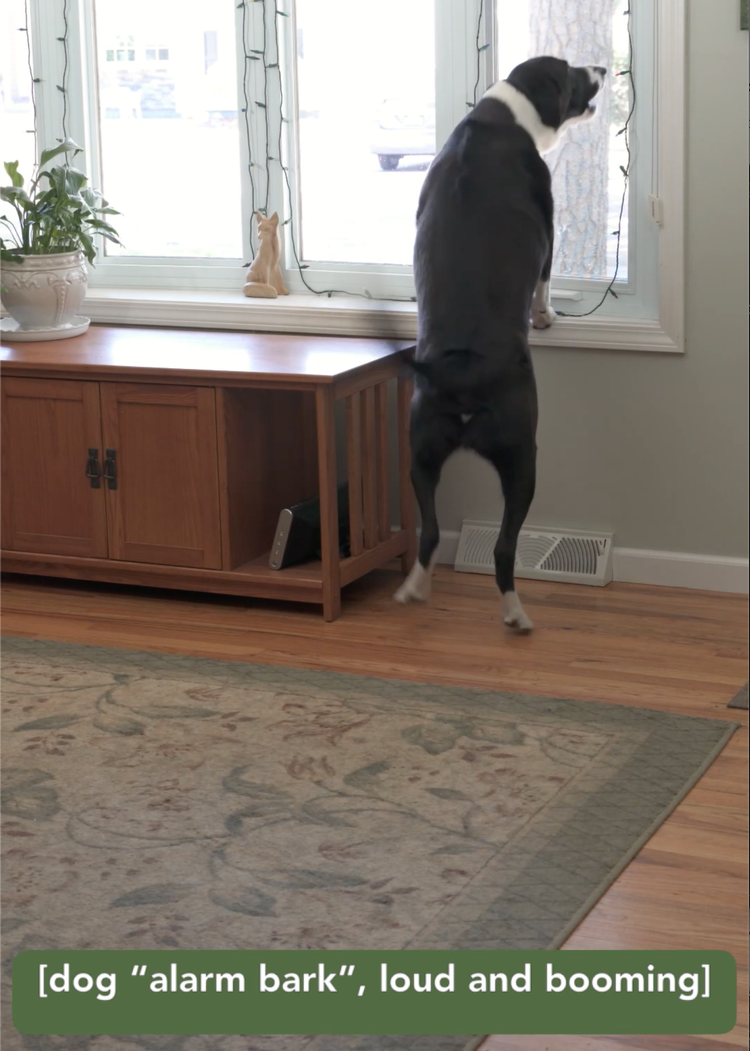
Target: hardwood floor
676, 650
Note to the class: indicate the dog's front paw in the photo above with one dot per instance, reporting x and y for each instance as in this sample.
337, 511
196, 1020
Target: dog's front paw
543, 318
514, 614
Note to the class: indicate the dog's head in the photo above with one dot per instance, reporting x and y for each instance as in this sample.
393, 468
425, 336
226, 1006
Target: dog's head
561, 94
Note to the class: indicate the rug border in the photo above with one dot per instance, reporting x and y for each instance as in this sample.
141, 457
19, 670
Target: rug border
741, 696
607, 882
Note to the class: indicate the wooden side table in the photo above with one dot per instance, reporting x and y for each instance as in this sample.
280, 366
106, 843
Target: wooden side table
162, 457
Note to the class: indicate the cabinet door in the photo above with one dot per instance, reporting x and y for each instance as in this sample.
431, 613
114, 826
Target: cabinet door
49, 505
160, 443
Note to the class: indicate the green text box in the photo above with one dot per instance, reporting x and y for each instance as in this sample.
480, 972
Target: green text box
370, 992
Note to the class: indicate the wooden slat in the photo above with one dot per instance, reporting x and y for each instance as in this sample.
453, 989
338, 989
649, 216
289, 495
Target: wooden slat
406, 493
369, 477
354, 460
353, 568
329, 511
381, 444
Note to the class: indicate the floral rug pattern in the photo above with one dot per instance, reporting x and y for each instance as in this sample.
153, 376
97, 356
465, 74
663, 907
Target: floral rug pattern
158, 802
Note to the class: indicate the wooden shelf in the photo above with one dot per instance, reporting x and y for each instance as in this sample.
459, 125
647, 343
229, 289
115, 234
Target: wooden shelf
310, 574
303, 575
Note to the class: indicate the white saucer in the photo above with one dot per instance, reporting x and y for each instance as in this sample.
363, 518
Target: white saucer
11, 331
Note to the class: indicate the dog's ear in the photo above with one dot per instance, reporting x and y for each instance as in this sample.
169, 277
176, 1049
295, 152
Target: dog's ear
275, 219
552, 95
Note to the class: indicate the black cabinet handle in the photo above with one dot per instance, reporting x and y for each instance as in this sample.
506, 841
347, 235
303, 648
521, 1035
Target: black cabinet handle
93, 471
110, 468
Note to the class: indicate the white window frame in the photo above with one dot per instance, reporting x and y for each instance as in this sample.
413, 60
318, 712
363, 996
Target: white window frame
207, 293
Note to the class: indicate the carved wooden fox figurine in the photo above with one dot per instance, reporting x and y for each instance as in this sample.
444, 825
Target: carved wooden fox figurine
264, 279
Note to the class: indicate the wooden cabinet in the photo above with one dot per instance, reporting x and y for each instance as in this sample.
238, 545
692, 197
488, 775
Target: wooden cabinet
163, 457
51, 432
164, 504
111, 470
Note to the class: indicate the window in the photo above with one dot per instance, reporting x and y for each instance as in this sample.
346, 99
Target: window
587, 167
210, 49
15, 82
197, 115
168, 136
364, 152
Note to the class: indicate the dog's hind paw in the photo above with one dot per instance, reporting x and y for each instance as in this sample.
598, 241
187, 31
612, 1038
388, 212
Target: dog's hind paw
417, 586
515, 616
521, 623
543, 318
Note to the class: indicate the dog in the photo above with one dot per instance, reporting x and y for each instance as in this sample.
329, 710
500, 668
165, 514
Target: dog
482, 262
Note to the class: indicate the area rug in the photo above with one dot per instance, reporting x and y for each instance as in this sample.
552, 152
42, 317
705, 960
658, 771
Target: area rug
154, 801
740, 700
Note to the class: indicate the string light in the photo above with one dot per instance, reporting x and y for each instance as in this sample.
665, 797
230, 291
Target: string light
33, 80
289, 221
246, 114
625, 169
480, 48
64, 86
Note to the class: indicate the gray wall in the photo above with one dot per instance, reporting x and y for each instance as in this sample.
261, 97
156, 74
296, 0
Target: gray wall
654, 447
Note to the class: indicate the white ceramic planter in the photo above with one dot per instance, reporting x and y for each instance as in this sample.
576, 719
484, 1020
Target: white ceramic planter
45, 291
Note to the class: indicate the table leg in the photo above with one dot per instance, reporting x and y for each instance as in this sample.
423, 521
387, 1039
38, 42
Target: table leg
406, 493
329, 515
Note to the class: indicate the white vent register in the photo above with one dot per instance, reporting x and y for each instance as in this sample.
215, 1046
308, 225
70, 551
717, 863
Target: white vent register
572, 556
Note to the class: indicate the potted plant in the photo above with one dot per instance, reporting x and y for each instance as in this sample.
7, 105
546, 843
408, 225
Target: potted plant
44, 244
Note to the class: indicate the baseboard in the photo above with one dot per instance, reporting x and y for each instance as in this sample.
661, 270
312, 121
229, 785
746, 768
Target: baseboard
447, 548
674, 569
670, 569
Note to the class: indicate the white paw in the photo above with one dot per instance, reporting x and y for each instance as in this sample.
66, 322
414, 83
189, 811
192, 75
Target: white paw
515, 616
543, 318
521, 623
417, 586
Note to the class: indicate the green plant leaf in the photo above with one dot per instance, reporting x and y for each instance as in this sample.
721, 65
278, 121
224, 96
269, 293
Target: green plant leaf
87, 247
66, 146
74, 180
15, 195
99, 224
11, 168
60, 213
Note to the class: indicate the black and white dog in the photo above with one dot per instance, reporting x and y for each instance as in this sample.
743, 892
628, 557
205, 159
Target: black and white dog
482, 261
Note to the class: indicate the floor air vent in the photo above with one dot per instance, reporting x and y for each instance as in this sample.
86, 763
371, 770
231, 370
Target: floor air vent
573, 557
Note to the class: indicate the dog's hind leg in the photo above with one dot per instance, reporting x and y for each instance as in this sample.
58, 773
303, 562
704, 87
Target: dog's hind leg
516, 466
433, 438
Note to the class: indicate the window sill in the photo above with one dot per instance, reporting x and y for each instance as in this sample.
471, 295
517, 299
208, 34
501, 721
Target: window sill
340, 316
